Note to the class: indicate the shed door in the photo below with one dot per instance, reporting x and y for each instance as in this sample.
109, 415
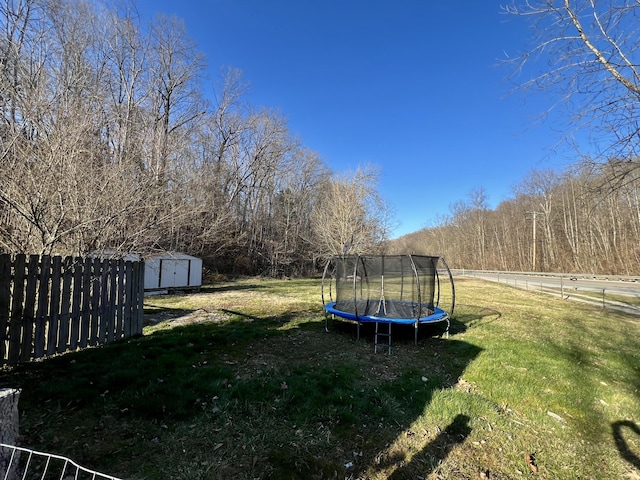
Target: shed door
174, 273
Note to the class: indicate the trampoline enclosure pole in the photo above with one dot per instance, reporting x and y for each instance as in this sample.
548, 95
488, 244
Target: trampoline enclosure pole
324, 274
417, 282
453, 288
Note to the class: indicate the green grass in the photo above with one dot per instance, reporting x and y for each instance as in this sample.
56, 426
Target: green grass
609, 298
241, 381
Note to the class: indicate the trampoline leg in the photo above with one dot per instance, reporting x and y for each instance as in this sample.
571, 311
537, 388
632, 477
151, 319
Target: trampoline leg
415, 340
326, 321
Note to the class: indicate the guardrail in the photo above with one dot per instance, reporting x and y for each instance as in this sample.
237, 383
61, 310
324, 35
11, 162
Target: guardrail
586, 276
617, 292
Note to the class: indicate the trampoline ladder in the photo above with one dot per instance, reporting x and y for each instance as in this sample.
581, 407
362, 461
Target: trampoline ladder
382, 338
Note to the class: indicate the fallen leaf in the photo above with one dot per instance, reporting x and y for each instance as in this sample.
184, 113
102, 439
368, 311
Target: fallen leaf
530, 458
555, 416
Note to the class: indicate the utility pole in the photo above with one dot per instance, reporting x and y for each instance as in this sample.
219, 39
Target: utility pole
533, 262
533, 249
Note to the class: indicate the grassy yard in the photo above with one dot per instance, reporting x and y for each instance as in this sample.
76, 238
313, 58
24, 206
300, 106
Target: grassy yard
241, 381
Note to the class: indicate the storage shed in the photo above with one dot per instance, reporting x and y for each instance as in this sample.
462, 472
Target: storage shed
172, 271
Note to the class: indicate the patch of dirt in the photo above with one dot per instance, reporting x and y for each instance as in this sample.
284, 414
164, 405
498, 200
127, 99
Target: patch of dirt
185, 317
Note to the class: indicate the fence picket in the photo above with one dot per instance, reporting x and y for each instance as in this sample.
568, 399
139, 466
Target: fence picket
76, 307
120, 302
94, 313
65, 305
128, 283
86, 304
54, 306
104, 301
15, 323
5, 302
50, 305
29, 308
136, 315
111, 315
42, 310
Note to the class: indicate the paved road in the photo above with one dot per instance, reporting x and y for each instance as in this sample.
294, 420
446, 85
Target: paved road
597, 290
617, 287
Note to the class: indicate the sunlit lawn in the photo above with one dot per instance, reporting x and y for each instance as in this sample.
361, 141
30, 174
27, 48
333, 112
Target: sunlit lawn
245, 383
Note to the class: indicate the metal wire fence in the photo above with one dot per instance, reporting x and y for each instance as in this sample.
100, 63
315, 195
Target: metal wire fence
18, 463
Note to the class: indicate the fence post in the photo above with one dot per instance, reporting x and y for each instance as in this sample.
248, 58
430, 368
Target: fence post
8, 428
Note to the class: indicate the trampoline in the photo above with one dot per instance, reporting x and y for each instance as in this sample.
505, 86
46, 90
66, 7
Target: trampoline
387, 290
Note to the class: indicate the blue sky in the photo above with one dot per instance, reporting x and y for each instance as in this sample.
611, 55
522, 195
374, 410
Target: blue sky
415, 87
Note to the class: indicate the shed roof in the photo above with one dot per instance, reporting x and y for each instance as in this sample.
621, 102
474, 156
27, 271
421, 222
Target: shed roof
171, 255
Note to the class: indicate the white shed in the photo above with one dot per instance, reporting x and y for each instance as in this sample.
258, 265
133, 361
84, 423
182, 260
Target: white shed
175, 271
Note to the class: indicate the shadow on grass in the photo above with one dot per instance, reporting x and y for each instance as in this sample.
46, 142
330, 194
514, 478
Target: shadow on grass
236, 378
154, 315
405, 333
158, 376
451, 358
618, 436
435, 451
474, 315
244, 315
458, 324
232, 287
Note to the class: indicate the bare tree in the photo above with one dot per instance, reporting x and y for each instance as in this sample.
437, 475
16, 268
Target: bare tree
538, 191
106, 143
351, 217
591, 51
126, 54
175, 68
555, 222
63, 189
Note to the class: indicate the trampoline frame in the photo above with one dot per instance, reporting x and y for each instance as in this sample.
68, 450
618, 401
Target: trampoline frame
437, 314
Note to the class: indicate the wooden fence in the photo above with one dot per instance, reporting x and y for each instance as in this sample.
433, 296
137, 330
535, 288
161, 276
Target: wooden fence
51, 305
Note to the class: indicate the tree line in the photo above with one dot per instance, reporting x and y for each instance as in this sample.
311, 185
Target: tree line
584, 219
112, 139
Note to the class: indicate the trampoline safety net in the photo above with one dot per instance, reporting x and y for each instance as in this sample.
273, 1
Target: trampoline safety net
365, 284
385, 286
388, 289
